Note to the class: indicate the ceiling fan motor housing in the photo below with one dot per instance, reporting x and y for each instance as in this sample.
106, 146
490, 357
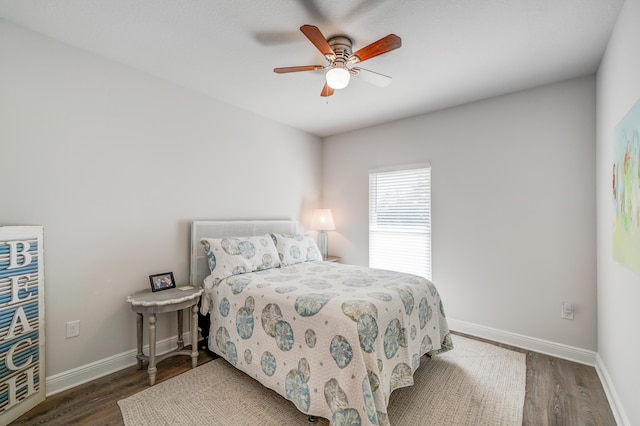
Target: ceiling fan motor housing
342, 47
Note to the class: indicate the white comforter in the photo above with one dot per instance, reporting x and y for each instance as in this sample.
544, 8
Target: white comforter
334, 339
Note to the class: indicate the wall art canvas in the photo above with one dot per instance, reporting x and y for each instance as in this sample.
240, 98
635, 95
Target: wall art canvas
626, 190
22, 373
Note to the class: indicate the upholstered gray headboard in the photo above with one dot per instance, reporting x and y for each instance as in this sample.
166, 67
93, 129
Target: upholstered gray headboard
199, 268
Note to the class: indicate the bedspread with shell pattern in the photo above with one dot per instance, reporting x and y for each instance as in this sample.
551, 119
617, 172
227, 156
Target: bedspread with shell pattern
334, 339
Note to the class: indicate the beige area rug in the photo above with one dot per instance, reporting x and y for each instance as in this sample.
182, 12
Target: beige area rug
475, 384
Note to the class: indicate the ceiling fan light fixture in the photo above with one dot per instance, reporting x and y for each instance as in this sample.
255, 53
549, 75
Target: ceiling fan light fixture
341, 59
338, 78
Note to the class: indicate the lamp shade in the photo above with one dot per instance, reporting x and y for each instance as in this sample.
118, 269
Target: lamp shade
338, 78
322, 220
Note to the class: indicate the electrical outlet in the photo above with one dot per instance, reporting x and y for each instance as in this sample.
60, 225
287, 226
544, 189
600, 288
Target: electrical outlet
567, 311
73, 329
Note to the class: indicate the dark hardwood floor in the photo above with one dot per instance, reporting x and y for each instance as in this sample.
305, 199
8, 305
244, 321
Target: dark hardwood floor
558, 393
561, 392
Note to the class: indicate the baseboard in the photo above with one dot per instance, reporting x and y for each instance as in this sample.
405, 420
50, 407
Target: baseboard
86, 373
83, 374
546, 347
614, 401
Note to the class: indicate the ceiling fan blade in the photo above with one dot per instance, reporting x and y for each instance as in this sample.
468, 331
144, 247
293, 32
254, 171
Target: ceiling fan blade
326, 90
296, 69
372, 77
384, 45
319, 41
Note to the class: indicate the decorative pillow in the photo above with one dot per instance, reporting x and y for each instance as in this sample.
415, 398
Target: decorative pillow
295, 248
239, 255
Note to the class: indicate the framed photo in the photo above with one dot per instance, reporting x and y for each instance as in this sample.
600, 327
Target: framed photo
162, 281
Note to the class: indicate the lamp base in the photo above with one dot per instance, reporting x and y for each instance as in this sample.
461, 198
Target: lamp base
323, 244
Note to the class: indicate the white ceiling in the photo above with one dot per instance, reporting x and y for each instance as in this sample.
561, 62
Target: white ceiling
453, 51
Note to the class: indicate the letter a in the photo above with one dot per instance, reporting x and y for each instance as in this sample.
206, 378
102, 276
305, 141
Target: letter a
19, 315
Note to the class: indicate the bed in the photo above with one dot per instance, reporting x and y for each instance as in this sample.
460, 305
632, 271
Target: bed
334, 339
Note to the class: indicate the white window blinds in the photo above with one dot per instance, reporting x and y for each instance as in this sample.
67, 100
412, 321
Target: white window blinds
400, 220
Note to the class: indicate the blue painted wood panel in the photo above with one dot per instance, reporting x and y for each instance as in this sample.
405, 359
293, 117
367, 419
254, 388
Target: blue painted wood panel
22, 377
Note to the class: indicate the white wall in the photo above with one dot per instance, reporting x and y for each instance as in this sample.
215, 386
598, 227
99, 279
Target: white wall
513, 205
618, 287
115, 164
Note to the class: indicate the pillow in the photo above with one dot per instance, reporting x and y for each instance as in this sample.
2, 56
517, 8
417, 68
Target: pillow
295, 248
239, 255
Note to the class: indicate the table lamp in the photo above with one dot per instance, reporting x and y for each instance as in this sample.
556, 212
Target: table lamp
322, 221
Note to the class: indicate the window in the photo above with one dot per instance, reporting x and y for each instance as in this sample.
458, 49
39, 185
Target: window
400, 220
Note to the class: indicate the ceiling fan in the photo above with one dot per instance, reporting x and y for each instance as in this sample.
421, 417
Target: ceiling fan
341, 61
